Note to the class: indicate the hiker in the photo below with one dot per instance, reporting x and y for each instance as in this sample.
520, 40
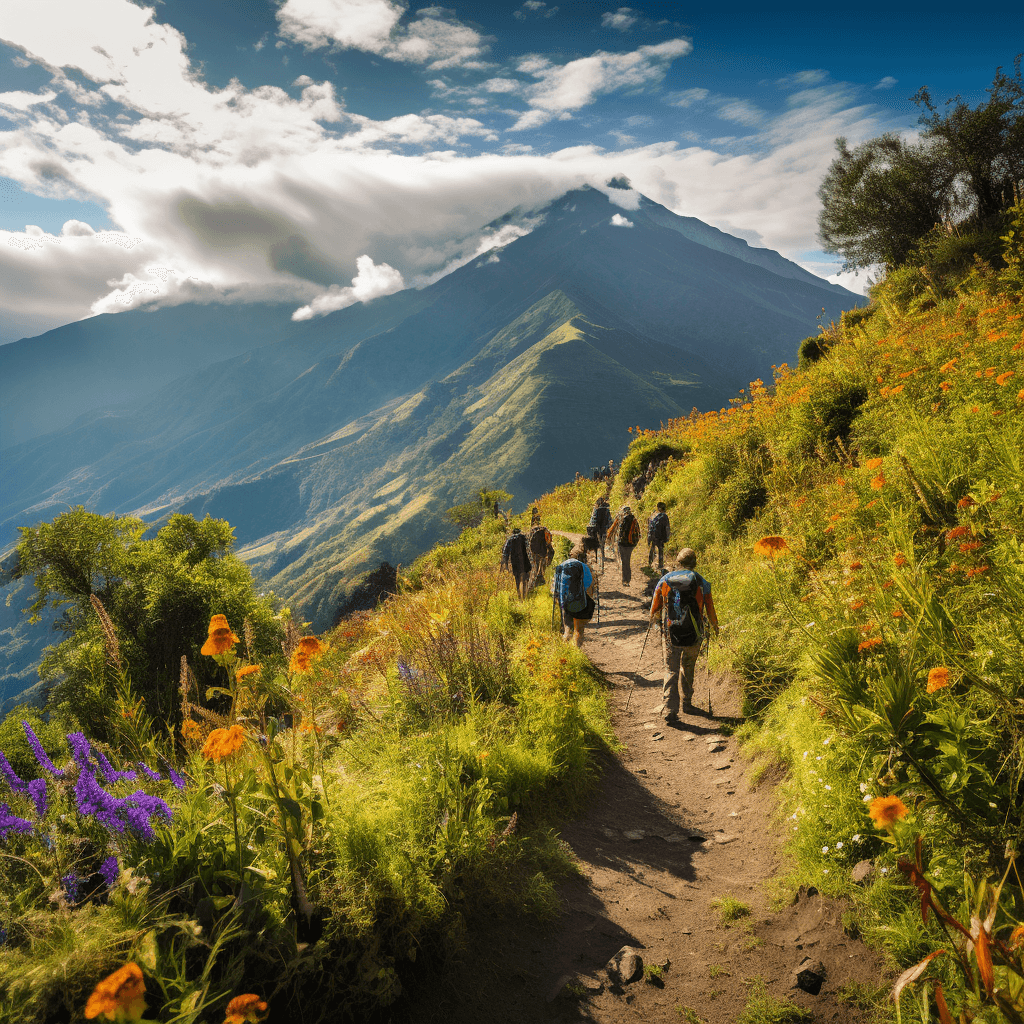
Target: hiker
541, 551
657, 535
534, 517
573, 588
597, 528
626, 531
516, 558
683, 599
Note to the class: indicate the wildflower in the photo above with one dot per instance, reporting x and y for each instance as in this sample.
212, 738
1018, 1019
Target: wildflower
1016, 940
957, 532
771, 547
13, 779
900, 559
971, 573
308, 648
37, 790
990, 372
247, 670
873, 502
11, 822
854, 566
191, 730
246, 1009
855, 606
840, 482
37, 749
1004, 377
885, 811
945, 385
970, 546
177, 781
72, 886
878, 482
824, 849
220, 638
94, 801
223, 743
873, 463
1020, 395
896, 390
866, 645
109, 871
898, 613
121, 992
966, 502
109, 772
938, 678
946, 367
148, 772
994, 497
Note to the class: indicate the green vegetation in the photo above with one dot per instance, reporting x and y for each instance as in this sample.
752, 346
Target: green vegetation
689, 1015
731, 910
763, 1008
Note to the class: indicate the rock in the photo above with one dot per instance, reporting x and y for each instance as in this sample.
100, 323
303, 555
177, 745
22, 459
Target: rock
559, 987
810, 975
720, 766
715, 748
863, 872
657, 736
627, 965
635, 834
609, 833
648, 725
590, 984
722, 840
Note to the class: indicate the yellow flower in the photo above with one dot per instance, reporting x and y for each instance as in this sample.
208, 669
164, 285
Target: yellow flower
938, 678
886, 810
247, 670
247, 1009
219, 637
121, 992
771, 547
308, 648
223, 743
191, 730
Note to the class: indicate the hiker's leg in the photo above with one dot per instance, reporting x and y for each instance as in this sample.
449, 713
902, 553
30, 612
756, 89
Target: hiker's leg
688, 662
661, 553
670, 680
580, 624
625, 552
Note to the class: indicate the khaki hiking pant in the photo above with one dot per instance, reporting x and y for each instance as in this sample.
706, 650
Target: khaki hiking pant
680, 664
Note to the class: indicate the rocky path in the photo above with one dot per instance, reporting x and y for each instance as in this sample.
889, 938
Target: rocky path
674, 830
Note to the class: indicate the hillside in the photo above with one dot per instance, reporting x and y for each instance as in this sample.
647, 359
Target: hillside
339, 444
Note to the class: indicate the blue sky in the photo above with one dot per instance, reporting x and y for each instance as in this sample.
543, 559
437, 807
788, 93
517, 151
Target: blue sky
325, 151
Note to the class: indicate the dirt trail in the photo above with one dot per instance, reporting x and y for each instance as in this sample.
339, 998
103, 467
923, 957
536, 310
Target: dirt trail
673, 827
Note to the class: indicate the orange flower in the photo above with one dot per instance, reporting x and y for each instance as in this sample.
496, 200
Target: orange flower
1004, 377
840, 482
900, 559
957, 532
866, 645
938, 678
946, 367
223, 743
1020, 395
121, 992
855, 606
219, 637
247, 670
896, 390
771, 547
308, 648
856, 565
898, 613
191, 730
878, 482
247, 1009
945, 385
872, 503
971, 573
990, 372
966, 502
885, 811
970, 546
994, 497
1016, 940
873, 463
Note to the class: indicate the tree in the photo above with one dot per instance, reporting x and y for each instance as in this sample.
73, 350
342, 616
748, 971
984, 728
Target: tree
159, 593
882, 198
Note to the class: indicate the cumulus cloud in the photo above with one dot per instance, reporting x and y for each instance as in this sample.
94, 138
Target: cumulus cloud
622, 19
562, 88
886, 83
618, 221
536, 8
435, 37
371, 281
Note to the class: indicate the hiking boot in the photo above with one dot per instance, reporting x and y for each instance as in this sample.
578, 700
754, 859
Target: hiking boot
671, 720
688, 708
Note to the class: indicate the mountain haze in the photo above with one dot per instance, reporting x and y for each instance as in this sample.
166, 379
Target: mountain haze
334, 443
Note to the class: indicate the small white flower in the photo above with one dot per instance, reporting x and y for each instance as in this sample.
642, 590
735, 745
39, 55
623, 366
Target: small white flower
867, 798
992, 805
829, 788
826, 742
863, 787
885, 871
818, 758
805, 754
839, 845
855, 839
824, 849
824, 871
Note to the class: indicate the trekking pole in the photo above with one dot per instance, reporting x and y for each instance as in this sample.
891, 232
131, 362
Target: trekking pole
638, 664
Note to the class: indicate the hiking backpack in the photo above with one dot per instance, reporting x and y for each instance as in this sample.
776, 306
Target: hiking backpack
658, 528
629, 531
539, 541
574, 598
683, 609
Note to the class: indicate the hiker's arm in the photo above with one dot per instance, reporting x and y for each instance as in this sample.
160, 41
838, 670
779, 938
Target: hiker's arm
656, 602
709, 609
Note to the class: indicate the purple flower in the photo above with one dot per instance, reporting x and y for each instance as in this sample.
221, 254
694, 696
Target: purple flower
37, 790
11, 823
109, 871
148, 772
145, 807
81, 750
110, 773
93, 800
37, 748
72, 885
177, 780
12, 777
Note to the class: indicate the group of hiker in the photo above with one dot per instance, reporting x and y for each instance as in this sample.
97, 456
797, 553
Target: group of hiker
682, 601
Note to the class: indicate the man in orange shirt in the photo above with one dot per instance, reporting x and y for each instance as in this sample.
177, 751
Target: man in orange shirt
683, 600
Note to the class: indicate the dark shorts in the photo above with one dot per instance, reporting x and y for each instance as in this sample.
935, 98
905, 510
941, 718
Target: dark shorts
586, 615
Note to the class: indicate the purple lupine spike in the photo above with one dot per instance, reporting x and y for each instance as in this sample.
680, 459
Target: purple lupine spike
13, 779
109, 871
94, 801
81, 749
148, 772
11, 822
37, 748
178, 781
37, 790
72, 886
110, 773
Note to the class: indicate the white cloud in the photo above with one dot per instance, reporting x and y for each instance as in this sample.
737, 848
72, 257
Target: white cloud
886, 83
24, 100
371, 281
687, 97
503, 85
802, 79
622, 19
435, 37
563, 88
618, 221
536, 7
739, 111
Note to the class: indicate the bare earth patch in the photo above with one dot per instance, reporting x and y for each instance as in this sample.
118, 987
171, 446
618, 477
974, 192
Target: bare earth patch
673, 842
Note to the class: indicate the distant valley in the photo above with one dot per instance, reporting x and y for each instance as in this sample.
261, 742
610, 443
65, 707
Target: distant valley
336, 443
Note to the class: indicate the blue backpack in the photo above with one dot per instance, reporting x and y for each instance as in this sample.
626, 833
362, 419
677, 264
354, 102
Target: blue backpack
572, 592
684, 610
